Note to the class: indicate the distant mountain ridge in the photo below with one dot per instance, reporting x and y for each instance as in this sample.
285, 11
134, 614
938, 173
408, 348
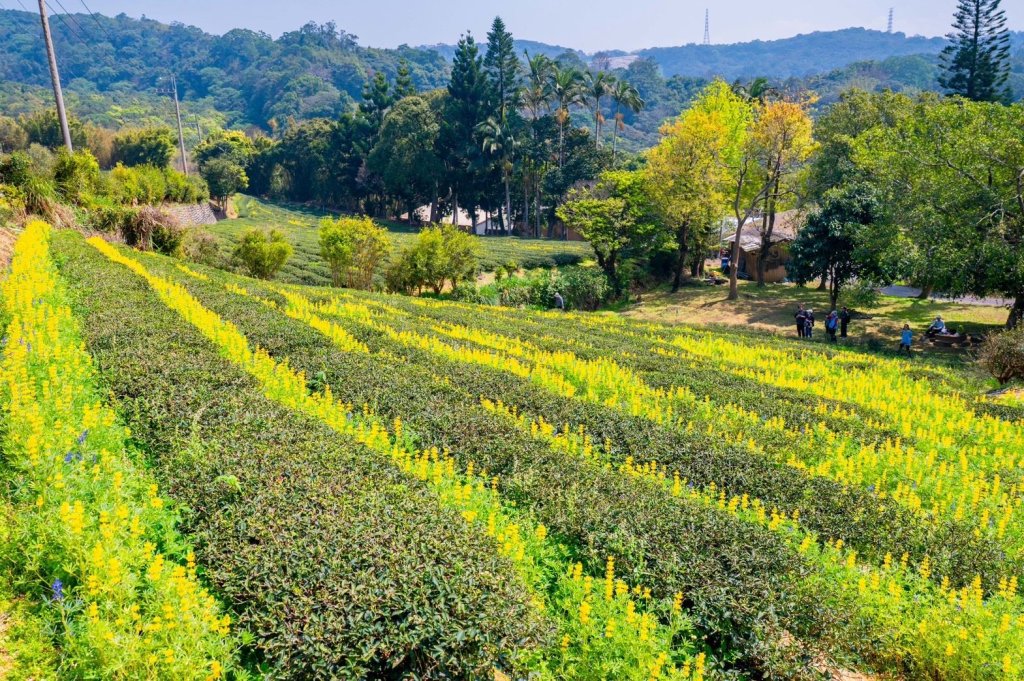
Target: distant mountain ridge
798, 56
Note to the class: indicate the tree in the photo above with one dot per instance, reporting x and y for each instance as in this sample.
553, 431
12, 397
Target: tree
781, 142
743, 183
842, 241
403, 80
625, 96
263, 254
405, 155
502, 68
613, 217
537, 94
952, 179
144, 146
377, 99
566, 89
231, 145
976, 62
225, 178
596, 88
467, 107
43, 128
354, 248
499, 143
685, 182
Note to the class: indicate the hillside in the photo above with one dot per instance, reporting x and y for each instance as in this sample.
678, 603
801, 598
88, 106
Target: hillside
800, 55
382, 486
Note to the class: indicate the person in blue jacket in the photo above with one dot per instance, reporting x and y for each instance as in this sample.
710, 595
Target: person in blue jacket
906, 337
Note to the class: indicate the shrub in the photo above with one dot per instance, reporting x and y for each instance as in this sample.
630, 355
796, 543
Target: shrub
353, 248
263, 254
15, 169
441, 255
138, 185
201, 246
584, 288
168, 234
145, 146
1002, 355
12, 204
183, 188
75, 176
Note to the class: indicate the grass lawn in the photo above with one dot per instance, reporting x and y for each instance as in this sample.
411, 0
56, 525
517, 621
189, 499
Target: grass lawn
772, 308
299, 224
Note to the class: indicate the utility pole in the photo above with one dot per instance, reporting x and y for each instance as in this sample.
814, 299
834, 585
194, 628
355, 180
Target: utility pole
177, 113
199, 130
55, 77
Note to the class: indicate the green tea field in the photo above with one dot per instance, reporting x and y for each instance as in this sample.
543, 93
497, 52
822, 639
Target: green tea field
211, 476
299, 225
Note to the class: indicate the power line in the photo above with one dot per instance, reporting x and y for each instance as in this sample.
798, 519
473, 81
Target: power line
64, 23
98, 22
74, 20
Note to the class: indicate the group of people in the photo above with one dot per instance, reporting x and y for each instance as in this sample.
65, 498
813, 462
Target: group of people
835, 322
936, 328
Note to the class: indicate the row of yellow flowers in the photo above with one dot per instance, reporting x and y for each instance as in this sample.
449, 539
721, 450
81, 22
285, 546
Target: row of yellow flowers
948, 633
931, 488
618, 632
87, 526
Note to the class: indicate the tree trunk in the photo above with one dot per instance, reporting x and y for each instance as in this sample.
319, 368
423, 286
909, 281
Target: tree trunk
823, 284
926, 292
455, 209
526, 208
1016, 312
682, 248
508, 205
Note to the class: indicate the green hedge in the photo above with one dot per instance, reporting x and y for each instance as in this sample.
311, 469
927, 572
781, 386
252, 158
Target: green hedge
338, 564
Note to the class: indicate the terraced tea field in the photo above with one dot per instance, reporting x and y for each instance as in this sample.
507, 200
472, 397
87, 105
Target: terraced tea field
369, 486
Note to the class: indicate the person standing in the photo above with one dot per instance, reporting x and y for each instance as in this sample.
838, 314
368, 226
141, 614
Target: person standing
801, 317
809, 324
559, 302
844, 321
906, 337
831, 326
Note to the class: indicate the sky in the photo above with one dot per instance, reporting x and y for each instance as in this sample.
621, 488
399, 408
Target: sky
589, 25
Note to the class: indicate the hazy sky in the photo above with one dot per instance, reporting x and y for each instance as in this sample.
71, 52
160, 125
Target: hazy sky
584, 24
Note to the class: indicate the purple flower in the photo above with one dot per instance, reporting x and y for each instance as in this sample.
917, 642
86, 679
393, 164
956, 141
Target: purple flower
58, 590
69, 456
85, 434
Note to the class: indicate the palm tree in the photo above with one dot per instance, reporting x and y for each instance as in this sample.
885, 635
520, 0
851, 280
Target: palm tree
625, 95
566, 90
537, 95
597, 87
498, 141
758, 90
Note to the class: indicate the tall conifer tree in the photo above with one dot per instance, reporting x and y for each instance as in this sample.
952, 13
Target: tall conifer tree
976, 63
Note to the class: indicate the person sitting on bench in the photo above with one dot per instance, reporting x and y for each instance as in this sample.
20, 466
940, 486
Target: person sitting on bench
937, 328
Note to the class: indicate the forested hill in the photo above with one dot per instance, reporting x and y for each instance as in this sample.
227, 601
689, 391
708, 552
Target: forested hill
800, 55
115, 70
250, 77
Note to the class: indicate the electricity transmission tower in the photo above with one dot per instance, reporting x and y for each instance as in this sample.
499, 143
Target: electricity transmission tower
889, 30
55, 77
707, 28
